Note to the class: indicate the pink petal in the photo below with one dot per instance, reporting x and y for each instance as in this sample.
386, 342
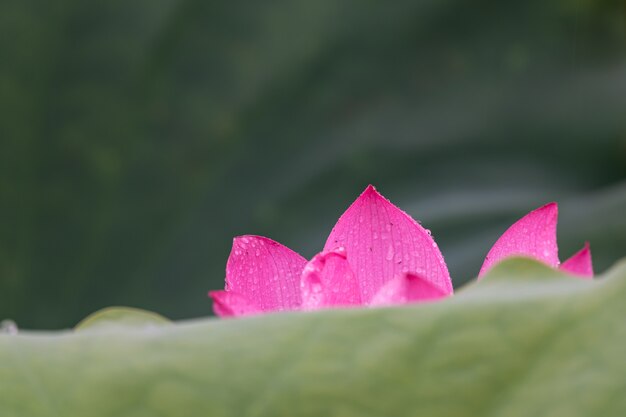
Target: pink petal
580, 263
405, 289
327, 281
231, 304
265, 272
383, 242
534, 235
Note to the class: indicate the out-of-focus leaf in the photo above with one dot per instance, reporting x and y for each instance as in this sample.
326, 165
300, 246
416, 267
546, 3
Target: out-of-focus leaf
525, 341
121, 316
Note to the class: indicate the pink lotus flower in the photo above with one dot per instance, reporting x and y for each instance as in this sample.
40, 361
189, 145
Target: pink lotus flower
534, 235
375, 255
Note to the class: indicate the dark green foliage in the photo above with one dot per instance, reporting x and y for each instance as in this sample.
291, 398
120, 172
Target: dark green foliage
137, 137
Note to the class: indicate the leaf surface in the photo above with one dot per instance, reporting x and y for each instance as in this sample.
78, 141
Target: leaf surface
526, 340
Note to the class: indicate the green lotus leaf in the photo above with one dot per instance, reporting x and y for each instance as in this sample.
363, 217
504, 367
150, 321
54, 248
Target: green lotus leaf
525, 341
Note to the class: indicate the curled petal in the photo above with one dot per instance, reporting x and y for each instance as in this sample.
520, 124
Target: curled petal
328, 280
231, 304
383, 242
534, 235
265, 272
407, 288
580, 263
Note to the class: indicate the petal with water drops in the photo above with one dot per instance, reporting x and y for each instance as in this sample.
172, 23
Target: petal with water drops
383, 242
265, 272
328, 281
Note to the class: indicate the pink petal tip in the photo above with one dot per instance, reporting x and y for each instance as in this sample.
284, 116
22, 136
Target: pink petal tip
534, 235
407, 288
580, 263
230, 304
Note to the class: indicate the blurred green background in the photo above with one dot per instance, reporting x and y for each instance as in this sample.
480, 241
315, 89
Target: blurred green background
138, 137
